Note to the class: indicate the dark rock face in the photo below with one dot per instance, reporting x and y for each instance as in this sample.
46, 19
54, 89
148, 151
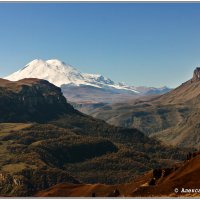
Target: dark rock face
31, 100
196, 74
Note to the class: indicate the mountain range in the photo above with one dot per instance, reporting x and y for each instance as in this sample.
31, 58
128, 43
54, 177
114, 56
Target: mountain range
141, 146
82, 87
45, 141
172, 118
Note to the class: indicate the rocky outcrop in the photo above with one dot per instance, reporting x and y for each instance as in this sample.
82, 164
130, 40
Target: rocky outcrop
196, 74
31, 100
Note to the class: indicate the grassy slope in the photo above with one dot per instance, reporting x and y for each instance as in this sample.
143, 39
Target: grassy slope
36, 156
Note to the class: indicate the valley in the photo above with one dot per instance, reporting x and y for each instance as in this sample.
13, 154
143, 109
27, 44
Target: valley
173, 118
45, 141
99, 99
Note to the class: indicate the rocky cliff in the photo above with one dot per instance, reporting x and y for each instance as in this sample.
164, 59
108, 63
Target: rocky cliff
31, 100
196, 74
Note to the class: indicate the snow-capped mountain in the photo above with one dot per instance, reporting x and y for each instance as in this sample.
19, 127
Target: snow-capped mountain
60, 74
81, 87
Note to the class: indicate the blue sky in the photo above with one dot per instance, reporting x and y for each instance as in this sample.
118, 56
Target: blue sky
152, 44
